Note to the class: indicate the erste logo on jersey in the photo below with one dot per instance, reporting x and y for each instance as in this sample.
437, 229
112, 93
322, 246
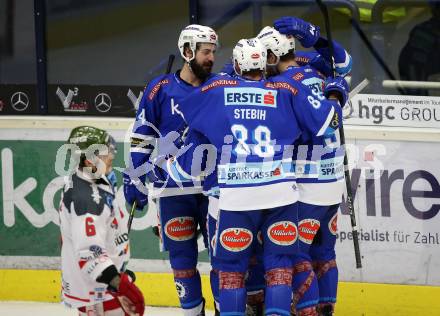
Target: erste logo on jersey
251, 96
180, 228
236, 239
333, 225
307, 230
283, 233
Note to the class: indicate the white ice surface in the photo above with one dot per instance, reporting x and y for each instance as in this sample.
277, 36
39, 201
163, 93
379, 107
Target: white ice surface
53, 309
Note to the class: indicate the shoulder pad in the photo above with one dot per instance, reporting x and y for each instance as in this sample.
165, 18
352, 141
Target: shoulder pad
155, 85
86, 200
67, 199
220, 81
282, 86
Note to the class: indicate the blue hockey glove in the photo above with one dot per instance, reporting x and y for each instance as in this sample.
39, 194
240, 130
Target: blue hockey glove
133, 193
157, 173
306, 33
338, 87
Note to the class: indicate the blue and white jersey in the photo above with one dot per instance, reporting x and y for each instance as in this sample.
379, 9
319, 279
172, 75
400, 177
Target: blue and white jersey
319, 161
157, 116
251, 127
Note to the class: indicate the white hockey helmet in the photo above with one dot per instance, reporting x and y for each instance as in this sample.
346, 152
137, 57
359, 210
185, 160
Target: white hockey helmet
193, 34
250, 54
278, 43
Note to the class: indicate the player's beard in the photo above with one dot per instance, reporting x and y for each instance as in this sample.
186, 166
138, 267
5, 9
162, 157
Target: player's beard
201, 71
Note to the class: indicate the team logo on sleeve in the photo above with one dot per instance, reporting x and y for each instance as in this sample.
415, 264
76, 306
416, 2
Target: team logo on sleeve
250, 96
236, 239
180, 228
182, 291
283, 233
307, 230
298, 76
333, 224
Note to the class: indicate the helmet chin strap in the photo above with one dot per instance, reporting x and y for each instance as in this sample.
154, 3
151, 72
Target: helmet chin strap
189, 66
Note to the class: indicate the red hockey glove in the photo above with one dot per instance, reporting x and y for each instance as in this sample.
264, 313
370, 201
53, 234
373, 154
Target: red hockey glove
130, 297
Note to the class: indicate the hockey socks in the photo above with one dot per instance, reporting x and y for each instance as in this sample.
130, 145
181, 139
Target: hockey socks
327, 275
255, 284
278, 291
214, 280
232, 294
305, 288
188, 286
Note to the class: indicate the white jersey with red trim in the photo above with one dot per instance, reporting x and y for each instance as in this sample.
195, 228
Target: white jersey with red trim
94, 237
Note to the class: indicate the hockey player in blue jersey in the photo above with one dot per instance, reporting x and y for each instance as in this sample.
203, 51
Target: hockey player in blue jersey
181, 208
252, 125
320, 179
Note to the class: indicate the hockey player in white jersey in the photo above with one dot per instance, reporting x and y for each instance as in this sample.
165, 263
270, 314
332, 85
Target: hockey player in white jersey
95, 247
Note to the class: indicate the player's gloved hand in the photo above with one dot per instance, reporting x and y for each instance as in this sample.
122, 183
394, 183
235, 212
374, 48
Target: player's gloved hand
131, 274
338, 88
157, 172
132, 192
129, 295
306, 33
322, 65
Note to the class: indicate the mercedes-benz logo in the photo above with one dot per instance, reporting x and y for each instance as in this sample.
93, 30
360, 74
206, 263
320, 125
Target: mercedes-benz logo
20, 101
103, 102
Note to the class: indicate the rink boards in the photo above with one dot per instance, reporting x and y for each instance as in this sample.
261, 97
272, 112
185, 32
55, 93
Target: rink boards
396, 205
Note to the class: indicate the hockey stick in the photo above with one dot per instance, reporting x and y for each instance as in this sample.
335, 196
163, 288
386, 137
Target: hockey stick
170, 63
349, 201
130, 219
349, 105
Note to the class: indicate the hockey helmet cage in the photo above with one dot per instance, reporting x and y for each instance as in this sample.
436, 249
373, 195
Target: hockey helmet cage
193, 34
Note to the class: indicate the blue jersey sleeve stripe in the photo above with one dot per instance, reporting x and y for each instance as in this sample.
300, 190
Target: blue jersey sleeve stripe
142, 136
345, 67
324, 127
176, 173
141, 150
